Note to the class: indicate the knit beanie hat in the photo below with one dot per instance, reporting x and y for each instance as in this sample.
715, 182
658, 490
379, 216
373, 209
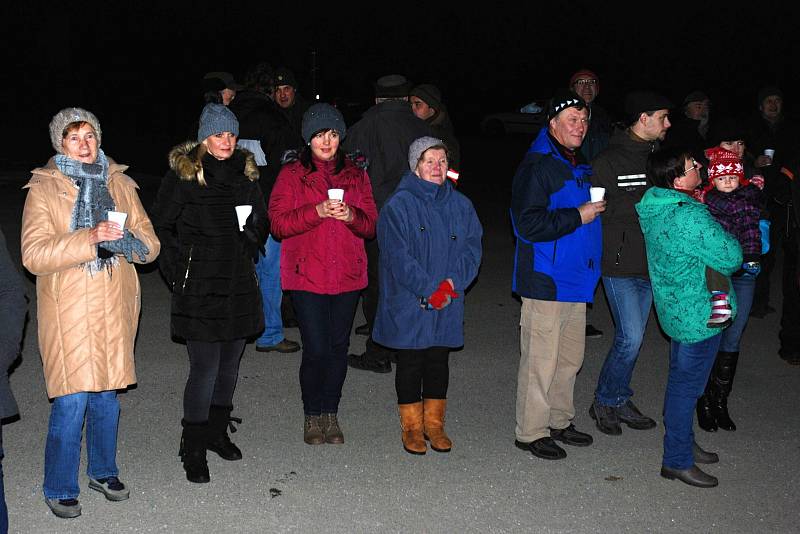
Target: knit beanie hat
418, 148
769, 90
67, 116
638, 102
563, 99
723, 162
429, 94
322, 117
726, 129
216, 118
584, 73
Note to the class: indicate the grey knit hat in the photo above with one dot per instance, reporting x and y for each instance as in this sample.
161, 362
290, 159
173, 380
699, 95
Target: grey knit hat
322, 117
418, 148
67, 116
217, 118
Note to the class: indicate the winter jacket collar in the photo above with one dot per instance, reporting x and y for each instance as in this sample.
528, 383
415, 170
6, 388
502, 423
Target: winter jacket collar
427, 191
544, 144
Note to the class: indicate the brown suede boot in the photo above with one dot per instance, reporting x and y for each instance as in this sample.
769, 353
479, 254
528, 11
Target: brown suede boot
411, 424
433, 424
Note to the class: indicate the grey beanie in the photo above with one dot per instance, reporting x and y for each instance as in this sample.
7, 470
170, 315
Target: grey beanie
68, 116
418, 148
217, 118
322, 117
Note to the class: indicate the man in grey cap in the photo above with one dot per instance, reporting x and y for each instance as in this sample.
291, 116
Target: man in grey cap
620, 169
383, 135
551, 209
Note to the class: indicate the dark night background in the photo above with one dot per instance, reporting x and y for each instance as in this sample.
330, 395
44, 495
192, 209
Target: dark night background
138, 67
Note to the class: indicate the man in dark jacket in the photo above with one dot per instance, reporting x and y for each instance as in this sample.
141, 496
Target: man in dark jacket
290, 103
383, 135
13, 308
426, 103
267, 134
556, 268
691, 129
620, 169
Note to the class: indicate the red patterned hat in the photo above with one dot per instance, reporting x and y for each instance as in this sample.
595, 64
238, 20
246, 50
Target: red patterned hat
723, 162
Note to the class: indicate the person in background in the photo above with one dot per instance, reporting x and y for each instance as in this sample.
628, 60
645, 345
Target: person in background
426, 103
683, 240
551, 210
692, 128
291, 103
620, 169
323, 262
220, 87
424, 276
208, 263
383, 135
88, 300
265, 133
13, 309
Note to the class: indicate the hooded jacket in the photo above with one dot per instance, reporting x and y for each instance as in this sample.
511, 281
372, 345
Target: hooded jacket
620, 168
87, 322
682, 239
324, 256
206, 261
557, 258
426, 233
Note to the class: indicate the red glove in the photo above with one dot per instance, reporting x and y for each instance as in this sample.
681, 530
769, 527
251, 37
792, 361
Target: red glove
443, 295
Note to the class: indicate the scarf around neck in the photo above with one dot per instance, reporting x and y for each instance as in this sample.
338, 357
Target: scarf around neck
93, 201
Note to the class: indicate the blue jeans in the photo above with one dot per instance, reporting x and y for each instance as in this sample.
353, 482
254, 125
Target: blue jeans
268, 270
689, 367
745, 287
62, 453
629, 300
325, 322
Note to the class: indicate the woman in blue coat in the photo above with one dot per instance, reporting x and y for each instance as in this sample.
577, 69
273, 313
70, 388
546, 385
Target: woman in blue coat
429, 238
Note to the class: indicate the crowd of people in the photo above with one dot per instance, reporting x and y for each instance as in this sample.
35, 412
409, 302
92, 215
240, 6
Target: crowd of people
277, 212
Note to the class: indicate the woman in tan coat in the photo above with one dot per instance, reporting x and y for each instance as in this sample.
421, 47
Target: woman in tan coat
88, 301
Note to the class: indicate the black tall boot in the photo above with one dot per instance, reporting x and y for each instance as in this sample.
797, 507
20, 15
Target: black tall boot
705, 416
724, 371
193, 452
219, 417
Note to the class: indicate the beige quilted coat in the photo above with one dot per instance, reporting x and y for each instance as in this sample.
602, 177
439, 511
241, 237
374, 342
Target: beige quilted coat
87, 322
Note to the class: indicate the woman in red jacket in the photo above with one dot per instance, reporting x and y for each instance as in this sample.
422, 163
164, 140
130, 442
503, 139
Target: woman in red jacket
323, 262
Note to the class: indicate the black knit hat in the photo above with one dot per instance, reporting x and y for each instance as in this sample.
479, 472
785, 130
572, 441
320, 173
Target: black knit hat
726, 129
638, 102
429, 94
322, 117
769, 90
563, 99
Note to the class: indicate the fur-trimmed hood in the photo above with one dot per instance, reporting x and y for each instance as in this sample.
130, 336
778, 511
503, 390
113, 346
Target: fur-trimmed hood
186, 160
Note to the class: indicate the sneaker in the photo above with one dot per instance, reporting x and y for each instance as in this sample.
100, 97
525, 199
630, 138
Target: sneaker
361, 361
629, 414
111, 487
64, 508
285, 346
605, 418
571, 436
592, 332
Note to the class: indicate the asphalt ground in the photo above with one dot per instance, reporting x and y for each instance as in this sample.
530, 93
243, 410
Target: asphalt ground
370, 484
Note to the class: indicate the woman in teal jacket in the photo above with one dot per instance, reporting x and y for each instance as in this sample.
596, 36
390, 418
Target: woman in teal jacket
682, 240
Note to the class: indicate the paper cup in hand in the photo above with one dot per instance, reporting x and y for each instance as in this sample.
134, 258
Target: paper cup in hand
336, 194
597, 193
242, 213
770, 153
118, 217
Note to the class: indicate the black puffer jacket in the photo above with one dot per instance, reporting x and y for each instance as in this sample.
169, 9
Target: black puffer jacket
620, 168
205, 259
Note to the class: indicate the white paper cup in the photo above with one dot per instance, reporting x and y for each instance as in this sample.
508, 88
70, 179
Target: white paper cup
597, 193
242, 213
336, 194
770, 153
118, 217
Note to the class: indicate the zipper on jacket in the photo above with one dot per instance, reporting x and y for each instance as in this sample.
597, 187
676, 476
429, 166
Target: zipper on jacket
188, 266
619, 250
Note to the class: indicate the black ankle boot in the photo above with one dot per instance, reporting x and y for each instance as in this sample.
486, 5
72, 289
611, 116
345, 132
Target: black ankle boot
724, 371
219, 418
193, 452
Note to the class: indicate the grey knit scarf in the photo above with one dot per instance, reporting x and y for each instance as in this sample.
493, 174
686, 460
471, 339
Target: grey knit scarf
93, 202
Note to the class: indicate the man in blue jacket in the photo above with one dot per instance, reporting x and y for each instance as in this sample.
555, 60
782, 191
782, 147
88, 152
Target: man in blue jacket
556, 268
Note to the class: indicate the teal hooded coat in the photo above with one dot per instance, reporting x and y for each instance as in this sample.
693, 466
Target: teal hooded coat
682, 239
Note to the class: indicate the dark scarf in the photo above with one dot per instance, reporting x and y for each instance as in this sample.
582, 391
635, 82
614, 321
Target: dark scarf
93, 202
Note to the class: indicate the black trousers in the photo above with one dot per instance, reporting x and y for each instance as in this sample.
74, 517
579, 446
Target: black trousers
213, 372
422, 373
369, 303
